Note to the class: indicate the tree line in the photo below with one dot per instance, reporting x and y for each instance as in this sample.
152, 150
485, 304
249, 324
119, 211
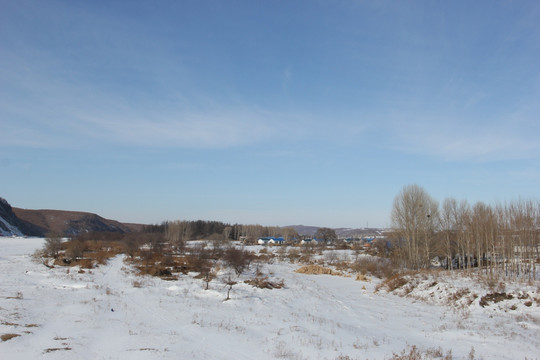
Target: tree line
503, 240
182, 230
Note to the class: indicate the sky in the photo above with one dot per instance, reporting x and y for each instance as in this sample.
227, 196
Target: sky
266, 112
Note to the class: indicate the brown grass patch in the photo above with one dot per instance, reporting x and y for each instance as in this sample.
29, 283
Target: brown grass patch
6, 337
414, 353
375, 266
158, 270
317, 270
9, 323
494, 298
361, 277
392, 283
264, 283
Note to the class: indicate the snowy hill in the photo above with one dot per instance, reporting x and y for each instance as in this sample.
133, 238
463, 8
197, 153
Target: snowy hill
6, 229
8, 220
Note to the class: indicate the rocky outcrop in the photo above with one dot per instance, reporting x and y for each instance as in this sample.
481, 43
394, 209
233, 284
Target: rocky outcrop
11, 225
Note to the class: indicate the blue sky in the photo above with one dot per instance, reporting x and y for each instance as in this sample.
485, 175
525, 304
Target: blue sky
269, 112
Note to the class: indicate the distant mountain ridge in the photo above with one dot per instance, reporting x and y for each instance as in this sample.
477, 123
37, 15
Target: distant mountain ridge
340, 232
19, 222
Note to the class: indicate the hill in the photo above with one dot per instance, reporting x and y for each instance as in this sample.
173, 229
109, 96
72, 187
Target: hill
70, 222
18, 222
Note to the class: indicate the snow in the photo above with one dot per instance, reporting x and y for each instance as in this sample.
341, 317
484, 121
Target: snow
11, 230
111, 313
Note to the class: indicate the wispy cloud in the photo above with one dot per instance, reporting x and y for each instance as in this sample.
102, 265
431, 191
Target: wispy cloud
460, 140
41, 110
200, 130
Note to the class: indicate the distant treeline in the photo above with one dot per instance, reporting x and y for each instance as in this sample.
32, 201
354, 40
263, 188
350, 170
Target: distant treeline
217, 230
195, 230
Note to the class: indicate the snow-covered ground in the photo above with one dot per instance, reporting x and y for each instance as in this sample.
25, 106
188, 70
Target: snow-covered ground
110, 313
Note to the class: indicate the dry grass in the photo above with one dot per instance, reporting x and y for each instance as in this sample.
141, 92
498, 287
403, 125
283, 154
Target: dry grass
494, 298
49, 350
374, 266
6, 337
415, 353
362, 277
317, 270
158, 270
264, 283
18, 296
392, 283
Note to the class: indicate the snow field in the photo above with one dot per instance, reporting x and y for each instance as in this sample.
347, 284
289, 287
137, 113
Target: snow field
111, 313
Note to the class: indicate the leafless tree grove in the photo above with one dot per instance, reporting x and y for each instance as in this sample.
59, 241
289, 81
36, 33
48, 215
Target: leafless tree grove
502, 240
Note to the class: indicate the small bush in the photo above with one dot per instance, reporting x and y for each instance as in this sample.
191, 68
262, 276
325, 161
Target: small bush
375, 266
293, 254
53, 244
238, 259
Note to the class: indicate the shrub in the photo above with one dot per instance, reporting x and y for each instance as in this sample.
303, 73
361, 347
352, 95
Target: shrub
293, 254
53, 244
238, 259
75, 249
375, 266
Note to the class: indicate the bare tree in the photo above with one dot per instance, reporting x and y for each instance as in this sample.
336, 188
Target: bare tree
448, 221
75, 249
53, 244
414, 218
326, 234
238, 259
289, 233
203, 264
227, 233
230, 282
177, 233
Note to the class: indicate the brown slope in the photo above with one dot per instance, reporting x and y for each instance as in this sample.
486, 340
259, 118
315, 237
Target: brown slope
70, 222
